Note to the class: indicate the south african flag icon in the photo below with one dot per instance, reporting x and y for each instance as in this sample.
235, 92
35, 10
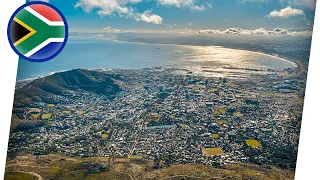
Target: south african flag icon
37, 31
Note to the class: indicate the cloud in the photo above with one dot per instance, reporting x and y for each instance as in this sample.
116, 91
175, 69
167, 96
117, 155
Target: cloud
286, 13
122, 8
311, 4
183, 3
108, 29
259, 31
147, 16
125, 8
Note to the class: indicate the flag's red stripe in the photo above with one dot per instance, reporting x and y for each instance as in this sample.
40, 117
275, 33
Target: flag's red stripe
47, 12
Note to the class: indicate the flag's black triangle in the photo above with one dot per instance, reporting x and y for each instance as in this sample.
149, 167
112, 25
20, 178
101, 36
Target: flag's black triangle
17, 31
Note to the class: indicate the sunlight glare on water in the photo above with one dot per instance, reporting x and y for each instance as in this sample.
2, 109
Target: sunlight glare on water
220, 56
204, 60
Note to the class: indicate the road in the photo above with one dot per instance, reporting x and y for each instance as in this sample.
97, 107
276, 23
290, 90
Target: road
139, 115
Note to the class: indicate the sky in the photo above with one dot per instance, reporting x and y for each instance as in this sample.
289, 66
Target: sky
165, 15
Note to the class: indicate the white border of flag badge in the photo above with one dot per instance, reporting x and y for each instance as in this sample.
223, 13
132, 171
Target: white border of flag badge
37, 31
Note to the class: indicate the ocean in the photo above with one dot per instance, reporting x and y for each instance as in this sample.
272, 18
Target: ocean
95, 53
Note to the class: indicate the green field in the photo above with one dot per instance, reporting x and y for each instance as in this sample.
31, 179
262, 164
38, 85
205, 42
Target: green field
222, 111
219, 111
35, 116
50, 105
215, 136
212, 151
46, 116
237, 114
66, 112
221, 121
135, 157
18, 176
105, 136
253, 143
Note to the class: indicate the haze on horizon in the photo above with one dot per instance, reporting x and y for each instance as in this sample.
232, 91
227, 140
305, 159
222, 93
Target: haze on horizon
177, 15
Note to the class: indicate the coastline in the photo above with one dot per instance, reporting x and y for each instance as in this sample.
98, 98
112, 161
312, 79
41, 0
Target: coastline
276, 56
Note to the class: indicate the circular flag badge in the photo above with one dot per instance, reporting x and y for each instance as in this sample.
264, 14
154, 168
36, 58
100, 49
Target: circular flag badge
37, 31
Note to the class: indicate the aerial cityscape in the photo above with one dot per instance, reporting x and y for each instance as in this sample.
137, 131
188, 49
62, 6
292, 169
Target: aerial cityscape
191, 104
167, 118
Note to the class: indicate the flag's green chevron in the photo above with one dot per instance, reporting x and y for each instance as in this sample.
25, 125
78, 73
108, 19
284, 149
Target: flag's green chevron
43, 31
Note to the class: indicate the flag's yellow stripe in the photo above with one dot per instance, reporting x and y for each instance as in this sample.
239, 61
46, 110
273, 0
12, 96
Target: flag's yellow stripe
32, 31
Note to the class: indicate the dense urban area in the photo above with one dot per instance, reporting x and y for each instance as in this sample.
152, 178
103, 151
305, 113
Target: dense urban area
169, 118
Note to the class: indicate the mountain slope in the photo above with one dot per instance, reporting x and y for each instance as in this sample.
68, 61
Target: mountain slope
56, 84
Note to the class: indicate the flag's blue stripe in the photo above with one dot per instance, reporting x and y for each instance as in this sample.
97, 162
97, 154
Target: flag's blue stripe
47, 51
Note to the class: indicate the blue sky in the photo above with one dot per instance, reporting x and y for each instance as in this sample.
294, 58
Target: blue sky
191, 14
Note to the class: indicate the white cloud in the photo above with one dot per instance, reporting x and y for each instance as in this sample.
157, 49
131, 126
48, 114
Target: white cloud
147, 16
183, 3
259, 31
311, 4
286, 13
198, 8
306, 3
108, 29
122, 8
